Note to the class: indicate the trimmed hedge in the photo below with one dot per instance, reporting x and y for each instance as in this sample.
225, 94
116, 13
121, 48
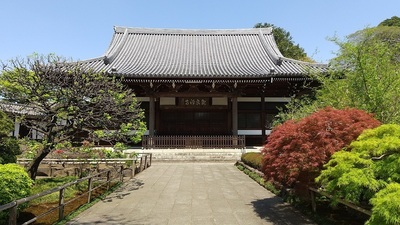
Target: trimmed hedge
253, 159
14, 184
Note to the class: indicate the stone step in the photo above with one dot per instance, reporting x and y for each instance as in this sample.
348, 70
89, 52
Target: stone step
195, 154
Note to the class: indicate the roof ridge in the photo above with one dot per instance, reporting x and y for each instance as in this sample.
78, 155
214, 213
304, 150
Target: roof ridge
178, 31
110, 56
269, 49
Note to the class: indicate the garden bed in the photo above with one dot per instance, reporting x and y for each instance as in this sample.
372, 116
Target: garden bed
325, 215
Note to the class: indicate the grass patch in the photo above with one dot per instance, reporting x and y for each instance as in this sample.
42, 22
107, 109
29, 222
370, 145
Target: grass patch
75, 196
88, 205
45, 184
259, 179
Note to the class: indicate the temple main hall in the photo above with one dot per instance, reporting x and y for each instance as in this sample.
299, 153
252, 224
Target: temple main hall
205, 88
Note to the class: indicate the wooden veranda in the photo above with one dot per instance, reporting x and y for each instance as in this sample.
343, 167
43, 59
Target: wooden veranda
193, 141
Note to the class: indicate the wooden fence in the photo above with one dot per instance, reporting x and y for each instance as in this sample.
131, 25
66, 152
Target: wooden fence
193, 141
94, 182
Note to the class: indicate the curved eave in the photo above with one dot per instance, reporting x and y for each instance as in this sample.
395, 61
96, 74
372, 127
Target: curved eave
288, 68
142, 53
215, 80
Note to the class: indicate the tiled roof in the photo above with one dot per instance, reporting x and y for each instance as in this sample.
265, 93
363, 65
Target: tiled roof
142, 53
15, 108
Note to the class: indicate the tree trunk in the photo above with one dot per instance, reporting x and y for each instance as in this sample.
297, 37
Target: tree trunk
33, 167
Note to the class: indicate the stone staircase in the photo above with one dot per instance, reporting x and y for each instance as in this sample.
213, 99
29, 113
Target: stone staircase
195, 155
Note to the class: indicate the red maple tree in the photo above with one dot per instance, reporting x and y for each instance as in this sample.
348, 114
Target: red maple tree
297, 150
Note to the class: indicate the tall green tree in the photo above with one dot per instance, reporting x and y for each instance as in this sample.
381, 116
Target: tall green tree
9, 147
285, 43
364, 75
69, 102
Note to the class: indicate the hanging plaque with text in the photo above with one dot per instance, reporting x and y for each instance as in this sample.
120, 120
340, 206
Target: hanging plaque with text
194, 102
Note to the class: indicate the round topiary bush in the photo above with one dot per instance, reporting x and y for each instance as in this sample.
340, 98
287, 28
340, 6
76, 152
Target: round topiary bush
252, 159
296, 150
14, 184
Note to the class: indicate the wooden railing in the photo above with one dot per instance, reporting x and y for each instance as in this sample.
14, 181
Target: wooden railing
94, 182
193, 141
346, 203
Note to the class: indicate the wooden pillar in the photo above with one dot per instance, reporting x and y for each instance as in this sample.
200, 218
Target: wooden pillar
234, 116
263, 116
152, 116
16, 129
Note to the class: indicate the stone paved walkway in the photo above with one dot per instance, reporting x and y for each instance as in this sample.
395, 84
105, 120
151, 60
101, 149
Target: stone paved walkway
191, 193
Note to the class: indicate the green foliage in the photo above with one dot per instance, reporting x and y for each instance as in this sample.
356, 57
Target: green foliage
394, 21
365, 75
111, 154
9, 148
252, 159
259, 179
64, 145
14, 184
386, 206
6, 125
368, 171
350, 177
296, 151
49, 183
29, 148
120, 146
285, 43
296, 109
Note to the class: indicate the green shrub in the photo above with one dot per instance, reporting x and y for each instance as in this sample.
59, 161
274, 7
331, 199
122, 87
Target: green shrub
29, 148
259, 179
9, 149
14, 184
368, 171
386, 206
120, 146
252, 159
45, 184
110, 154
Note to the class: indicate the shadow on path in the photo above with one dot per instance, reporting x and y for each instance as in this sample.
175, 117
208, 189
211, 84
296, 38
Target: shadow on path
275, 211
125, 190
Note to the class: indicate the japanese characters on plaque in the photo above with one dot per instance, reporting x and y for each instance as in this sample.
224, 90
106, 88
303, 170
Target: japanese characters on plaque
197, 102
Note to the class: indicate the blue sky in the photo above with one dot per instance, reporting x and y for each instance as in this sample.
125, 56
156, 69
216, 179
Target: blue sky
82, 29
